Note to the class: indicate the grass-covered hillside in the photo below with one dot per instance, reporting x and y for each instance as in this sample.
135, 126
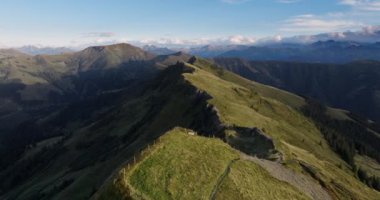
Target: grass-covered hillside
353, 86
295, 136
182, 165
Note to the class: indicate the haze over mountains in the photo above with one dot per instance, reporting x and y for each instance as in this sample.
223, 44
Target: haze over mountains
336, 47
367, 36
35, 50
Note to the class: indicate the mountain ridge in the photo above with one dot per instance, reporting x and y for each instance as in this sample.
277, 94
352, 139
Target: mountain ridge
329, 51
222, 114
81, 145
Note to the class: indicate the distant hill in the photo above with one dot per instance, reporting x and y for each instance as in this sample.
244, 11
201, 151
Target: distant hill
34, 50
319, 52
158, 50
210, 51
50, 82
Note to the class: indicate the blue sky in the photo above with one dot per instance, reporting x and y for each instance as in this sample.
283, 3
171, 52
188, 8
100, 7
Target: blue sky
82, 22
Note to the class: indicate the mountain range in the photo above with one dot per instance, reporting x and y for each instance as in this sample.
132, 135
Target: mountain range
323, 51
368, 34
118, 122
158, 50
318, 52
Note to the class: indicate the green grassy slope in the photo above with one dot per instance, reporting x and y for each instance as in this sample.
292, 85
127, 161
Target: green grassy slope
241, 106
265, 90
184, 166
352, 86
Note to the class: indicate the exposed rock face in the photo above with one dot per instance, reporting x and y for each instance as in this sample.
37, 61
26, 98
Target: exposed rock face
254, 142
192, 60
256, 131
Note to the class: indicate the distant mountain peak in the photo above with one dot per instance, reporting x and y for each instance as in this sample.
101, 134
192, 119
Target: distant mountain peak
179, 53
158, 50
121, 46
110, 55
112, 47
337, 44
39, 50
122, 49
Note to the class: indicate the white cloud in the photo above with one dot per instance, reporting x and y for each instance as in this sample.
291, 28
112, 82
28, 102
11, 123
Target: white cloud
309, 23
239, 39
365, 5
371, 30
177, 42
364, 34
99, 34
170, 42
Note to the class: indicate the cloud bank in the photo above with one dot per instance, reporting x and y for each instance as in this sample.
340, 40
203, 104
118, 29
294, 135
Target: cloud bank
365, 5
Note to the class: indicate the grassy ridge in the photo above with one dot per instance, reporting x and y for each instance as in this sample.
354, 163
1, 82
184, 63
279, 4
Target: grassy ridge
183, 166
169, 169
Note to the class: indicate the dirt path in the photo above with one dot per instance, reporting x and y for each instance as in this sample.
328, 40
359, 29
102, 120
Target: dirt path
303, 183
221, 178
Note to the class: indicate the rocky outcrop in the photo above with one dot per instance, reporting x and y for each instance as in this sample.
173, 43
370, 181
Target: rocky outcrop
254, 142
